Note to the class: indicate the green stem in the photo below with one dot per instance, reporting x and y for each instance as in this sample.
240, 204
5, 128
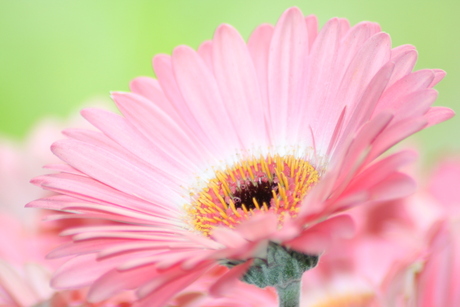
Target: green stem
289, 295
282, 268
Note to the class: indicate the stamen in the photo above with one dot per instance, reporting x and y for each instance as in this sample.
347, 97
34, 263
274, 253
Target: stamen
254, 200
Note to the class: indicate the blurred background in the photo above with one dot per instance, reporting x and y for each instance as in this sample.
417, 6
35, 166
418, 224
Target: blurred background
56, 55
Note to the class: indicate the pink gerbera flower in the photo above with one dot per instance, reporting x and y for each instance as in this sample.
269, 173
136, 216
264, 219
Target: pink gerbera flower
238, 154
436, 277
25, 272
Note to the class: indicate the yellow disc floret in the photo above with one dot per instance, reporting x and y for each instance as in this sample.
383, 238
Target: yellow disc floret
273, 183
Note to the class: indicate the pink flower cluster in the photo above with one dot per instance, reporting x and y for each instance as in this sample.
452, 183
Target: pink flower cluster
237, 153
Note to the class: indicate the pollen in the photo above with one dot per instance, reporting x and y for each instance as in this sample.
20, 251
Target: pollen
271, 184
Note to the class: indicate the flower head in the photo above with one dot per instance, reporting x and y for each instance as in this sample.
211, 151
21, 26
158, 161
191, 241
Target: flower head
25, 272
434, 281
235, 148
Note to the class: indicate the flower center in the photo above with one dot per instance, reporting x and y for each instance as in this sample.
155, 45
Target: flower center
357, 300
273, 183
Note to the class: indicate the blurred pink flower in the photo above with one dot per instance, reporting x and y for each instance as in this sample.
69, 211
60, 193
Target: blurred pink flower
355, 272
235, 146
404, 254
25, 273
24, 240
443, 186
24, 281
435, 273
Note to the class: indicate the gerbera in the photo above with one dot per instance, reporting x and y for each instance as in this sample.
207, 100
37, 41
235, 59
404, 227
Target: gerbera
25, 272
238, 154
436, 280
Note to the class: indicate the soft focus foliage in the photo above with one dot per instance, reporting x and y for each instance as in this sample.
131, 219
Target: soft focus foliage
56, 54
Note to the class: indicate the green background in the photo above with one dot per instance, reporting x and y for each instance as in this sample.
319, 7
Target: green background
56, 55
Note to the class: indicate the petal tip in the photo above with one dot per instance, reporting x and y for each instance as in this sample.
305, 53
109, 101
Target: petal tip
294, 10
292, 14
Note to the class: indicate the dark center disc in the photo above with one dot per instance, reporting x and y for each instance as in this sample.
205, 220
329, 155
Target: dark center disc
261, 191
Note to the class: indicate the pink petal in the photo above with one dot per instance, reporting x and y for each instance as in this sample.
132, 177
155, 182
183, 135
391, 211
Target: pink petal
394, 134
164, 71
316, 239
228, 237
321, 63
369, 100
436, 115
131, 247
114, 282
148, 119
200, 90
171, 281
128, 175
237, 81
287, 58
435, 286
439, 74
416, 104
443, 184
311, 21
151, 89
111, 228
163, 259
358, 150
205, 51
258, 227
395, 186
55, 202
64, 168
91, 190
82, 271
230, 279
363, 58
382, 169
18, 289
410, 83
81, 248
164, 293
404, 58
94, 137
122, 132
258, 46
